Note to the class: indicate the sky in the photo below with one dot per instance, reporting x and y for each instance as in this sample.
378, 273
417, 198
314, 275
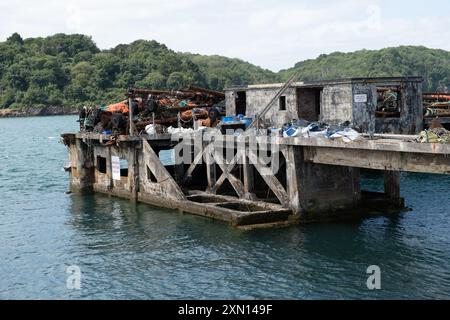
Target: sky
272, 34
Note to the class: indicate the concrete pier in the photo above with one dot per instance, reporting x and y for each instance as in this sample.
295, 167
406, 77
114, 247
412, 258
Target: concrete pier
230, 179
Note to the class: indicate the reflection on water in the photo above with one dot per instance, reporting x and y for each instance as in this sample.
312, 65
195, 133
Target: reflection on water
137, 251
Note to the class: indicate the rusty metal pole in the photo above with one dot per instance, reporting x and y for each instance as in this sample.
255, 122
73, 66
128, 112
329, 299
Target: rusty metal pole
130, 115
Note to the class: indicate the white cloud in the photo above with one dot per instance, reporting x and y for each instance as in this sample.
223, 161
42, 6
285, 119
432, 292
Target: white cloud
273, 34
73, 17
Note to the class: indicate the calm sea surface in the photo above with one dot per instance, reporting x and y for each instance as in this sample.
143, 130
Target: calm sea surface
141, 252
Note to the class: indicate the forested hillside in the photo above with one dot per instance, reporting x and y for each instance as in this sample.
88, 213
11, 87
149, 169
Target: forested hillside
432, 64
70, 70
221, 72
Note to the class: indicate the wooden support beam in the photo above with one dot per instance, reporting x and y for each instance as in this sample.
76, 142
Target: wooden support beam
160, 172
237, 184
179, 167
269, 177
134, 177
249, 177
210, 170
109, 169
197, 160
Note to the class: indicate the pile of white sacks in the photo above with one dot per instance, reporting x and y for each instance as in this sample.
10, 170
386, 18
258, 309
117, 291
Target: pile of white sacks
321, 130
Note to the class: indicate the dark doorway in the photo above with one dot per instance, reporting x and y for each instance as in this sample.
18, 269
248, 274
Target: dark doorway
308, 103
101, 164
282, 103
241, 102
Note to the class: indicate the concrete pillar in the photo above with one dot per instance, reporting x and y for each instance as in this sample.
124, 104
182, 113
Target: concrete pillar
82, 175
392, 186
315, 187
294, 175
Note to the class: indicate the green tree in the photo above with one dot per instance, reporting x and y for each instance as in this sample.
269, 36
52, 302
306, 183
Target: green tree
176, 80
15, 38
71, 70
153, 80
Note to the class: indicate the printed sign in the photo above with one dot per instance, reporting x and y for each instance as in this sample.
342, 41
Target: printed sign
360, 98
115, 164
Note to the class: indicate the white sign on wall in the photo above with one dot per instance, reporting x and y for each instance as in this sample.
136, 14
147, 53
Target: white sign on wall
115, 164
360, 98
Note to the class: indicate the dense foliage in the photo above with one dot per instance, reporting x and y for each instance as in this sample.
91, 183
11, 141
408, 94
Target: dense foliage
69, 70
432, 64
221, 72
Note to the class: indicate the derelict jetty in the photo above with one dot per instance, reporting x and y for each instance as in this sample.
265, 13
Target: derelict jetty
261, 155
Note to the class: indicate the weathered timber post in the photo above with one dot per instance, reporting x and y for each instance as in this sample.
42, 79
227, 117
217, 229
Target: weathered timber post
130, 116
392, 186
179, 163
210, 162
109, 169
249, 175
210, 171
134, 178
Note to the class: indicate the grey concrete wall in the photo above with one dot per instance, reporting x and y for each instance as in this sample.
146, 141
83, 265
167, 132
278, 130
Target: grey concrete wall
336, 105
104, 182
411, 109
82, 168
328, 187
411, 113
257, 99
230, 105
364, 112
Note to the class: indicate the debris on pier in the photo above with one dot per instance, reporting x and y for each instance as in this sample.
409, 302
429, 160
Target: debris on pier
194, 108
302, 128
388, 102
436, 135
437, 104
157, 107
262, 155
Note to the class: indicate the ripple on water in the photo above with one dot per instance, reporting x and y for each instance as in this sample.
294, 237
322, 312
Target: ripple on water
138, 252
